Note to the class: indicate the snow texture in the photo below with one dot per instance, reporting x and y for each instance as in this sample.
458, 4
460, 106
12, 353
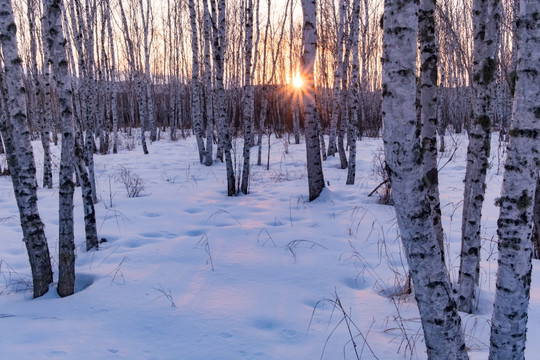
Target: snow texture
189, 273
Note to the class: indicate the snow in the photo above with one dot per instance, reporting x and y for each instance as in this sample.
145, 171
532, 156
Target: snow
189, 273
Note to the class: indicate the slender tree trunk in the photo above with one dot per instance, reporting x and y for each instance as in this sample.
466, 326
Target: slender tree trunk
86, 189
354, 91
313, 146
295, 105
196, 110
22, 166
114, 85
433, 291
296, 119
509, 321
262, 121
248, 95
429, 53
219, 62
536, 223
55, 42
337, 109
148, 35
91, 87
485, 15
209, 98
38, 95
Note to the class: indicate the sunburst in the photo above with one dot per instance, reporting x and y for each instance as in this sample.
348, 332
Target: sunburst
297, 81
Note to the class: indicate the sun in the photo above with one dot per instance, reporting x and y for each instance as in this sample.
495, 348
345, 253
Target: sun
297, 81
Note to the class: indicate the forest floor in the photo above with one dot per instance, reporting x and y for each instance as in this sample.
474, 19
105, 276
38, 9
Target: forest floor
188, 273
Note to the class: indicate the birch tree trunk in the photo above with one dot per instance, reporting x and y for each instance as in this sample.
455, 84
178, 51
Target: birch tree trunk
219, 63
536, 222
248, 96
264, 91
42, 120
354, 91
90, 228
313, 146
433, 292
22, 166
209, 99
114, 85
509, 321
295, 106
55, 42
148, 35
92, 91
485, 23
87, 193
429, 53
196, 111
337, 110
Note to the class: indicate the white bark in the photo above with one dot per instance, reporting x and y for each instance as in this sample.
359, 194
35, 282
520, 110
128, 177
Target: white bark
354, 93
22, 164
429, 53
209, 98
509, 321
248, 96
313, 146
485, 67
55, 41
220, 95
296, 118
43, 120
337, 110
536, 223
433, 292
114, 85
264, 91
294, 96
196, 109
147, 18
91, 87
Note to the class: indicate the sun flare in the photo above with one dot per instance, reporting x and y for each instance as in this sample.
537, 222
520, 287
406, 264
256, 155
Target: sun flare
297, 81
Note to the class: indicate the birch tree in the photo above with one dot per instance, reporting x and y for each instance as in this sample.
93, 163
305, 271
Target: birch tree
248, 95
21, 160
354, 92
264, 90
91, 87
114, 84
403, 151
336, 109
43, 118
209, 77
147, 19
429, 52
196, 110
509, 321
311, 127
55, 42
485, 21
295, 105
221, 108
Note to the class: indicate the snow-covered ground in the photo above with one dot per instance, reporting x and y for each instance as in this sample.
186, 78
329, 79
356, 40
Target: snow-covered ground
189, 273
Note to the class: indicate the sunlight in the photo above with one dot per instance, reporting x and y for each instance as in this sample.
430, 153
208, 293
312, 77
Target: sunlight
297, 81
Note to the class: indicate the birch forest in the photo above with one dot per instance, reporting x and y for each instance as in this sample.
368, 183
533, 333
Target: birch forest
85, 75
